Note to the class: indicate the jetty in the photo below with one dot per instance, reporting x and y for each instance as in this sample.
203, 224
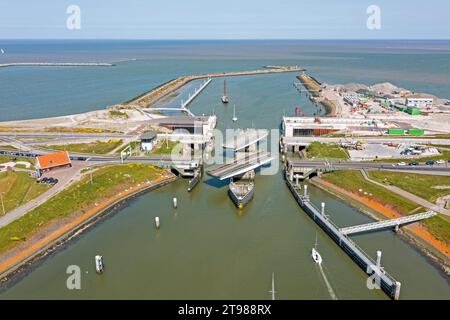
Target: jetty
152, 96
341, 237
55, 64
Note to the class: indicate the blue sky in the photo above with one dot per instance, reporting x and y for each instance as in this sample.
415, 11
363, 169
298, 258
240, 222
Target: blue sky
227, 19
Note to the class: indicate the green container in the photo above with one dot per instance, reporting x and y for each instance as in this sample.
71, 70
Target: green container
414, 111
396, 131
416, 132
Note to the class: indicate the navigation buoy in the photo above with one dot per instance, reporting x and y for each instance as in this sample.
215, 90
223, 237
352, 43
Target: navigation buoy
157, 225
175, 203
99, 264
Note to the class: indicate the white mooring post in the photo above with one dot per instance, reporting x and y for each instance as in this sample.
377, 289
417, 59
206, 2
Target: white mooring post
306, 191
378, 259
157, 224
323, 208
175, 203
296, 180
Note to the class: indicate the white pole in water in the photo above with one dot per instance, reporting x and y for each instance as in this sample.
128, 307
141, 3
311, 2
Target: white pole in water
157, 224
306, 191
175, 203
323, 208
378, 259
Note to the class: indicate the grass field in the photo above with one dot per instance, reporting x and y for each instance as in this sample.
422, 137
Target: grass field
107, 181
317, 150
166, 148
97, 147
18, 188
419, 184
352, 180
438, 226
5, 159
9, 147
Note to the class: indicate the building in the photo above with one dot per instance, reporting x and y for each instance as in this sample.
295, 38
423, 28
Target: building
148, 140
52, 161
420, 101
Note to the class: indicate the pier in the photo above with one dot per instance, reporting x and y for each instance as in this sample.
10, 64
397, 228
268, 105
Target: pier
372, 268
197, 91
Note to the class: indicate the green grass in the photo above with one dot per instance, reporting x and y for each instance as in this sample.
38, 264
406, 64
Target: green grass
9, 147
5, 159
438, 226
18, 188
317, 150
118, 114
353, 180
166, 147
135, 145
419, 184
97, 147
78, 198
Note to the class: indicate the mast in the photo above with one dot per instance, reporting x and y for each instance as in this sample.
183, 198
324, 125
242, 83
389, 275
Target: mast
225, 87
273, 287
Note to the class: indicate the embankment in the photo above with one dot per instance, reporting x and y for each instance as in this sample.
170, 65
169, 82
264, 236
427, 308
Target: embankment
41, 243
311, 84
437, 251
159, 92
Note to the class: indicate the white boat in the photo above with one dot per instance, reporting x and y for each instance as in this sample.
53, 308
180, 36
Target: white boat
99, 264
315, 254
2, 51
225, 97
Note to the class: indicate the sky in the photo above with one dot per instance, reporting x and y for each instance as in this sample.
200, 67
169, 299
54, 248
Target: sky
226, 19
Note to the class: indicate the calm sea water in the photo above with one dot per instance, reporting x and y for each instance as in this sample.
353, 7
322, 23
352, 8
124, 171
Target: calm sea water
35, 92
206, 249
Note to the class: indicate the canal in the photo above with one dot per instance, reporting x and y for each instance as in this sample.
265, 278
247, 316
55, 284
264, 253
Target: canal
207, 249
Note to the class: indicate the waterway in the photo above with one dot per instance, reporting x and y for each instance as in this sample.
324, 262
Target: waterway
207, 249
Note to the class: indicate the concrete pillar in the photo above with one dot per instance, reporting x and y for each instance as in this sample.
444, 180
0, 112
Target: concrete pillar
306, 191
397, 228
398, 286
323, 208
296, 180
378, 259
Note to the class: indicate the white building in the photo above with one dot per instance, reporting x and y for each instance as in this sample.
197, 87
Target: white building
419, 101
148, 140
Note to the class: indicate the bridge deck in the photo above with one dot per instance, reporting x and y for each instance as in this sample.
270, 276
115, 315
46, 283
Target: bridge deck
241, 166
387, 224
245, 138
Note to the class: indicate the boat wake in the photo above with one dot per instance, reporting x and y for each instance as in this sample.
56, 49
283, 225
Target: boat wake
327, 283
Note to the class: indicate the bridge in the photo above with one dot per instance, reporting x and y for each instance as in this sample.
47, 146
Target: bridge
241, 165
183, 165
242, 139
341, 236
393, 223
184, 104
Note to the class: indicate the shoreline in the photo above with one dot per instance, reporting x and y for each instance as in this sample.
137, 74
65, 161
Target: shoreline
38, 248
416, 236
312, 85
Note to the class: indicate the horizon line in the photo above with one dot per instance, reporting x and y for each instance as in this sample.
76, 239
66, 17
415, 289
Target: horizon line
237, 39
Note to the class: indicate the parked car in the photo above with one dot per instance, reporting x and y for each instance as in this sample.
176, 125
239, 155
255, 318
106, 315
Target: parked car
440, 162
429, 163
401, 164
413, 163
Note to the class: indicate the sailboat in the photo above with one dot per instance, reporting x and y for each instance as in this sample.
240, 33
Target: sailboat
225, 97
234, 114
2, 51
315, 254
273, 287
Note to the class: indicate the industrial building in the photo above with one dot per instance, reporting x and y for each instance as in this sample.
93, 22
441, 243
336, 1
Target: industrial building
148, 140
420, 101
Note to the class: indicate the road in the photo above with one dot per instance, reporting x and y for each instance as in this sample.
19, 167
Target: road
65, 176
370, 140
334, 164
420, 201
